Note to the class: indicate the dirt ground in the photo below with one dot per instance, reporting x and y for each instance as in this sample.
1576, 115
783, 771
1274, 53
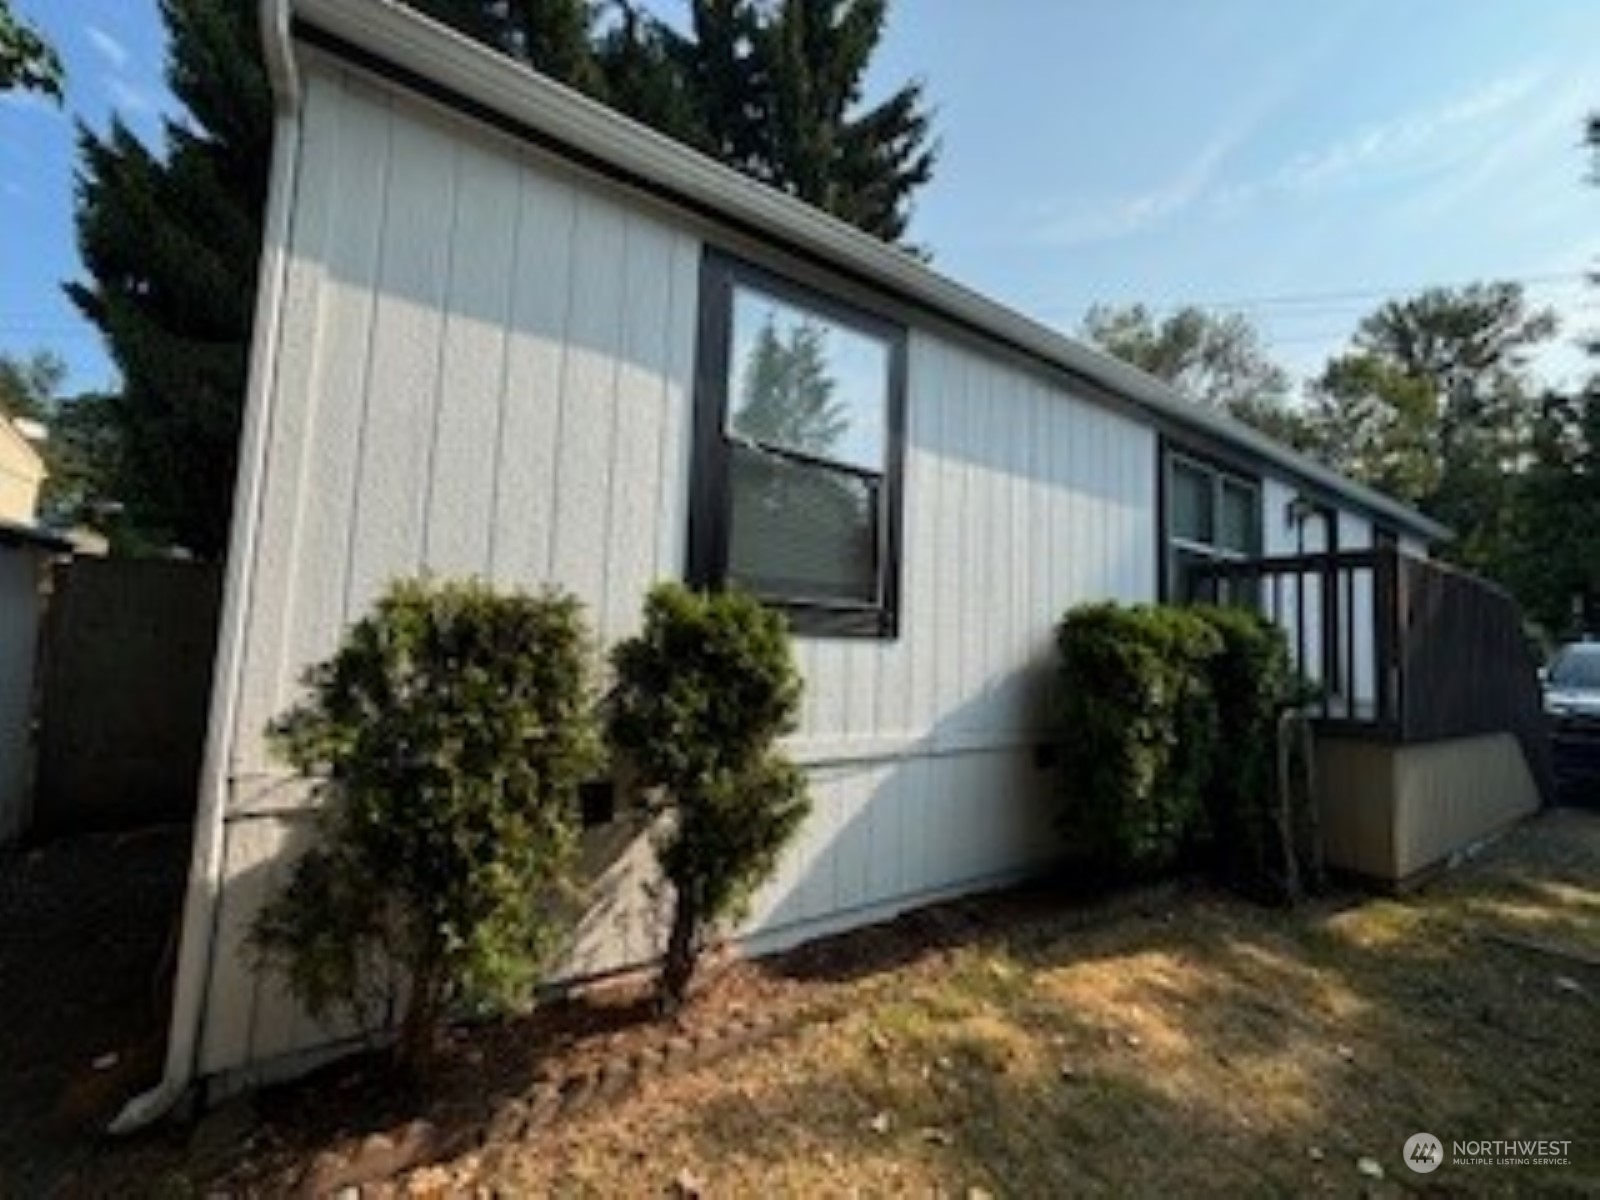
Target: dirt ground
83, 927
1175, 1041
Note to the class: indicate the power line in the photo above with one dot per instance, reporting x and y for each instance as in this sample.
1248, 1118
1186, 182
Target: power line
1295, 299
1336, 310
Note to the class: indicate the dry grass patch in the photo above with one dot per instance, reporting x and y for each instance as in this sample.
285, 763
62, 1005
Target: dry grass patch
1207, 1047
1192, 1045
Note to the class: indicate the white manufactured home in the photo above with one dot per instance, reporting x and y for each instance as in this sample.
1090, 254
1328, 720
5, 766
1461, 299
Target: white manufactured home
505, 332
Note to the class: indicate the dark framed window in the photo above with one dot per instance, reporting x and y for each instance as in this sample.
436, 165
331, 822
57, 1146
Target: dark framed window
799, 449
1212, 515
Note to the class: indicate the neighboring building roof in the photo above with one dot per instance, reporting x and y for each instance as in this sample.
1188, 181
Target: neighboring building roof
446, 67
19, 451
14, 534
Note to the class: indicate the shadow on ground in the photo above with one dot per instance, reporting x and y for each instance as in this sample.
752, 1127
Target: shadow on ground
84, 929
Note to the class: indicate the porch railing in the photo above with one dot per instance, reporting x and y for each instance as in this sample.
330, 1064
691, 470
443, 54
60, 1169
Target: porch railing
1340, 614
1396, 648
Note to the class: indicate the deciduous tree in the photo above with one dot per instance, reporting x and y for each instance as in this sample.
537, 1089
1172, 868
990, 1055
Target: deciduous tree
1216, 359
1369, 419
1435, 402
28, 386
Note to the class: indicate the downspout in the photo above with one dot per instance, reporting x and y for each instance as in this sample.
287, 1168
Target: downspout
205, 867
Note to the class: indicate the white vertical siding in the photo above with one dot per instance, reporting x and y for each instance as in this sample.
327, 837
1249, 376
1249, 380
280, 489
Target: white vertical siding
1020, 501
486, 369
479, 377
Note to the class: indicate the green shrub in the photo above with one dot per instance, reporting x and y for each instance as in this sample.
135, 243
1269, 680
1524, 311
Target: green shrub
1170, 741
1251, 682
701, 694
446, 737
1138, 725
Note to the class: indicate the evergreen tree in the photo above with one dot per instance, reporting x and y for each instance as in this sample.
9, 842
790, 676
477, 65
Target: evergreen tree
701, 695
27, 61
788, 393
1554, 544
647, 74
171, 240
727, 82
554, 37
815, 140
1553, 548
171, 245
774, 90
1470, 346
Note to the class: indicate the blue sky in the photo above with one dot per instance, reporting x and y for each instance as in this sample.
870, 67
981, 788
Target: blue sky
114, 50
1295, 162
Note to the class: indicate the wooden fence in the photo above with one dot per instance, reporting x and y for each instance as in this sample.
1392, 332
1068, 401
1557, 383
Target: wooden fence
125, 682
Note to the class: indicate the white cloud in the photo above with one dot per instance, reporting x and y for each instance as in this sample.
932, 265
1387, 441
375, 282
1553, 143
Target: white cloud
1426, 139
1100, 220
1398, 140
1536, 164
108, 47
130, 98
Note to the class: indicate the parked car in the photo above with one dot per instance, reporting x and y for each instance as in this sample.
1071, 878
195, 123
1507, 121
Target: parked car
1572, 702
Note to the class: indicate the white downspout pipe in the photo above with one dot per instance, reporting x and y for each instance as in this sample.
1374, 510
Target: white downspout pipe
205, 868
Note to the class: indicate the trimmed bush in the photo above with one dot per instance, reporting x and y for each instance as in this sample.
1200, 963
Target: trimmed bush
1170, 742
701, 695
1138, 724
1252, 683
447, 737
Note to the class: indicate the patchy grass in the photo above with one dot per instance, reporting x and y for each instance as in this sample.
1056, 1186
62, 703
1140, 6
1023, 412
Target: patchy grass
1210, 1048
1194, 1045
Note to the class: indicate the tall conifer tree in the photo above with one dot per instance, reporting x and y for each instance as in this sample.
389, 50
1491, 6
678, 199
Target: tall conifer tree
861, 165
171, 245
554, 37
